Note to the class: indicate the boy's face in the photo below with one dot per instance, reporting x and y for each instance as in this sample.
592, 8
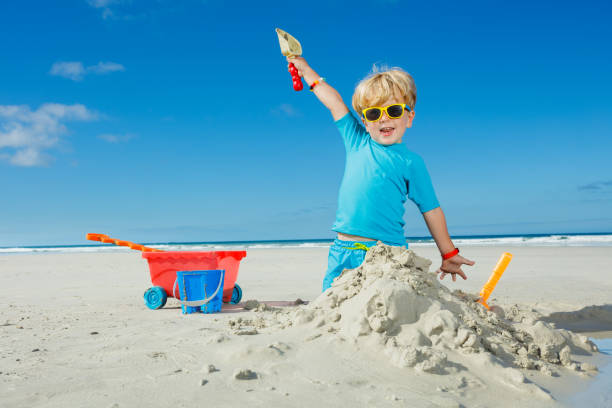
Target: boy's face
388, 131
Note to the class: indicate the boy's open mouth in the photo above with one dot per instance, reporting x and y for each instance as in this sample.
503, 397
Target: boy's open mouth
386, 131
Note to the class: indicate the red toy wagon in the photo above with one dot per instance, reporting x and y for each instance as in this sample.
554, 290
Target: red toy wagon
163, 266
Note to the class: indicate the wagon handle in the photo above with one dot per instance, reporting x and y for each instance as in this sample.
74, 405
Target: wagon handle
107, 240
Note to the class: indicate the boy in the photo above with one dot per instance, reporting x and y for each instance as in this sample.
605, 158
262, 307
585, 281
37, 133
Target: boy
380, 171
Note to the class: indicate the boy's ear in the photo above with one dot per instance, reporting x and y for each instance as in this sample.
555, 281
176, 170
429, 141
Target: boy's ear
365, 124
410, 118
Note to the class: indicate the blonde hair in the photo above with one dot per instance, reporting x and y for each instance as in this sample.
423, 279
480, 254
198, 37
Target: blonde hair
383, 84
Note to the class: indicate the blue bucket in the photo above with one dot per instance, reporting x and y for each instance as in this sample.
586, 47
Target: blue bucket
200, 291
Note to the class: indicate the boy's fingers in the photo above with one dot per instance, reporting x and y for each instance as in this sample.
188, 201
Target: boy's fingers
452, 274
466, 261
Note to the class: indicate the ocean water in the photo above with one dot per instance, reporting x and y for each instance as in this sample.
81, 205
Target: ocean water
599, 392
584, 239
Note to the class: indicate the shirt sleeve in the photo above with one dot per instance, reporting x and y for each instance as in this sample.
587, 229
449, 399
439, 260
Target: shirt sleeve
420, 187
353, 133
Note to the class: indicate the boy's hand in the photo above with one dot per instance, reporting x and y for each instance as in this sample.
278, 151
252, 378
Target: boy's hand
300, 63
452, 266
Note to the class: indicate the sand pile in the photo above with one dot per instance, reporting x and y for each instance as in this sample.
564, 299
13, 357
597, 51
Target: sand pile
392, 305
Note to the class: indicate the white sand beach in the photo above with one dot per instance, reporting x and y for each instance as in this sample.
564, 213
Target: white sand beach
74, 331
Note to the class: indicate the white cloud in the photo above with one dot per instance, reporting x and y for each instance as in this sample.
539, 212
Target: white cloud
115, 138
26, 134
129, 10
105, 68
101, 3
75, 70
104, 5
70, 70
29, 157
287, 110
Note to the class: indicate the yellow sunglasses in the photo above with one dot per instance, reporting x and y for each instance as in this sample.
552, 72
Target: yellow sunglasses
394, 111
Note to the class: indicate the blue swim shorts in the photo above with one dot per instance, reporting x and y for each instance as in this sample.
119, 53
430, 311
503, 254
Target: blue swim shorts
345, 255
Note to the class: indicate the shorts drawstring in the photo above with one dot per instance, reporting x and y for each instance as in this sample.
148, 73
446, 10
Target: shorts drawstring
358, 245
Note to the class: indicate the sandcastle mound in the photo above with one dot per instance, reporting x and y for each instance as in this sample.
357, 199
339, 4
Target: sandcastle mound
392, 304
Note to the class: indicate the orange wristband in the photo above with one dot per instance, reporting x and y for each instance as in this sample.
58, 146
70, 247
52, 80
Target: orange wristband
451, 254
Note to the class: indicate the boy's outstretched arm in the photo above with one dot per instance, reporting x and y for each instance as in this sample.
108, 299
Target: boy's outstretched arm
326, 94
436, 222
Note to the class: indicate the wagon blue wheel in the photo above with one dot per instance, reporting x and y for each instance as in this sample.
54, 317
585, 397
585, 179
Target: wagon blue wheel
236, 295
155, 297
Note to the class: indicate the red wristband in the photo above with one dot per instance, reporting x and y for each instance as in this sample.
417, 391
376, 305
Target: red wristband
451, 253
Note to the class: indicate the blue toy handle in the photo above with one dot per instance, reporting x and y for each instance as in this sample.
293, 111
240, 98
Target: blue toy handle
195, 303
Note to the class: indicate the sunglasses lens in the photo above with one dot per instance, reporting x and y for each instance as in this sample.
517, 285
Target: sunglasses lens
395, 111
373, 114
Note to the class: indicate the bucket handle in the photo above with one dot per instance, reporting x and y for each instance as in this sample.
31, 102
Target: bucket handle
195, 303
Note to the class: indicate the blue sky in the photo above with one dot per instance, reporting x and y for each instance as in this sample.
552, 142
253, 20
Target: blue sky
176, 120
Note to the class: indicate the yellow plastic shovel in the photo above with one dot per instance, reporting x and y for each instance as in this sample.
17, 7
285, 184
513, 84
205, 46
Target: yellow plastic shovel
498, 271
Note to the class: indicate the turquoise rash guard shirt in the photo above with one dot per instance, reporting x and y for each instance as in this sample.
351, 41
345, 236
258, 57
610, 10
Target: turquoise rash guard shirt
377, 179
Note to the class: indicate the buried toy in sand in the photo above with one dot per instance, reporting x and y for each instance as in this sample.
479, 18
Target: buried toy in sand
392, 305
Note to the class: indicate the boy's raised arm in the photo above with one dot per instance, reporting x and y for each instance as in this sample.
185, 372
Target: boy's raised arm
326, 94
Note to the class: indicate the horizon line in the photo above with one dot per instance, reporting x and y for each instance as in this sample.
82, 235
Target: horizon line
423, 237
